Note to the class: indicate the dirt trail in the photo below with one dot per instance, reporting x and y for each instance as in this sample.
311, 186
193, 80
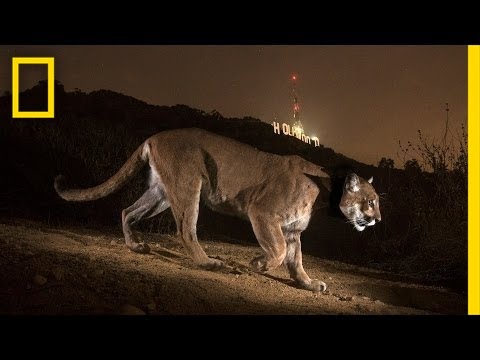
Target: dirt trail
79, 271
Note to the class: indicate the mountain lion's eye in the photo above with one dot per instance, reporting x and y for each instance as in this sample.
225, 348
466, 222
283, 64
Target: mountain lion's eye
370, 203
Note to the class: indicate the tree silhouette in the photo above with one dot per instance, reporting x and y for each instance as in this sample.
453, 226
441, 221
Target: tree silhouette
386, 163
412, 166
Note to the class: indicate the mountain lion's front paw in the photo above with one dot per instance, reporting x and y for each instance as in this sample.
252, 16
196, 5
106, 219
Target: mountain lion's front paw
314, 285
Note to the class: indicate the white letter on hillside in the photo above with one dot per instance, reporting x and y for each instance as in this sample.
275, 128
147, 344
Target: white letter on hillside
276, 127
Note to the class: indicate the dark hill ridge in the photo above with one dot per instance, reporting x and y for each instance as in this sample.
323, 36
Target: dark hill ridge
121, 110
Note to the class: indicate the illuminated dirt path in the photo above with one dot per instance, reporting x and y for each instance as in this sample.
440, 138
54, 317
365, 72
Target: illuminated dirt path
85, 271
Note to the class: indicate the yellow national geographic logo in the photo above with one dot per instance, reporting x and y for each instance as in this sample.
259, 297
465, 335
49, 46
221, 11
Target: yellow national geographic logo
16, 62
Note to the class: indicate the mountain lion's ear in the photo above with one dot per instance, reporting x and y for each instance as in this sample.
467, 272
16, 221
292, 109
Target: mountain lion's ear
351, 183
370, 180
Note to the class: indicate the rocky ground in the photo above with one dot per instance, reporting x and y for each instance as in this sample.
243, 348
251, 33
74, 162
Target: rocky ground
90, 271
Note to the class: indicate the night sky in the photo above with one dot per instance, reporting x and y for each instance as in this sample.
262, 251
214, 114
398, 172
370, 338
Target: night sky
358, 100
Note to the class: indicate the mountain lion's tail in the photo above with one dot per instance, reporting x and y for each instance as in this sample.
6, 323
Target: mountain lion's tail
135, 163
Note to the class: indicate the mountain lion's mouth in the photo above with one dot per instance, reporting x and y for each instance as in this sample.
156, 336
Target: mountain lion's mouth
359, 225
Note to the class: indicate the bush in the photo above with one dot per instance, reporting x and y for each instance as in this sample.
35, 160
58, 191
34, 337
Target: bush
432, 204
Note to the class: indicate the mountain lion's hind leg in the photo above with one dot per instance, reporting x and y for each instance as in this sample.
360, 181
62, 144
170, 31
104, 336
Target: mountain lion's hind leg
152, 202
185, 206
293, 261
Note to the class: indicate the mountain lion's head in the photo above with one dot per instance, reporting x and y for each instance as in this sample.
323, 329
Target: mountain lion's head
360, 202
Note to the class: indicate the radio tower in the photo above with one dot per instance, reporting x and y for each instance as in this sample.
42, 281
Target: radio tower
297, 124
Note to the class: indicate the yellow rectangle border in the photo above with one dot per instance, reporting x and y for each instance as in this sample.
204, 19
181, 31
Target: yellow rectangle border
473, 179
16, 62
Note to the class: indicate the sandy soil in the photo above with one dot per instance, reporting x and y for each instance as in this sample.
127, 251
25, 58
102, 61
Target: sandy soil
90, 271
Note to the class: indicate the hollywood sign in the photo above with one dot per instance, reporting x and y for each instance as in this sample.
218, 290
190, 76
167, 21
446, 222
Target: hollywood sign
293, 131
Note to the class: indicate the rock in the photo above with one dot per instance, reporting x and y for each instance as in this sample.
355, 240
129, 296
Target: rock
151, 306
346, 298
113, 242
365, 298
131, 310
378, 302
39, 280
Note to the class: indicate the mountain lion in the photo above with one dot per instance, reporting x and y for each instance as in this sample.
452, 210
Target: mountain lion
275, 193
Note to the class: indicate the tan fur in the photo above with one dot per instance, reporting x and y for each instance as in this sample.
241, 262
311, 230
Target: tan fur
275, 193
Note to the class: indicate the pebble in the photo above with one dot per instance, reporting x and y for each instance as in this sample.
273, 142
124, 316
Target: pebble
113, 242
131, 310
39, 280
151, 306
